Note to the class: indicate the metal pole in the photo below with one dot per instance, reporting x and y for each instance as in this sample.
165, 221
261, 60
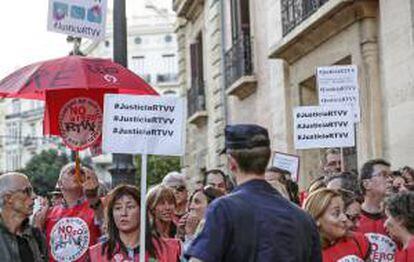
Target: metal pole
342, 160
122, 170
143, 207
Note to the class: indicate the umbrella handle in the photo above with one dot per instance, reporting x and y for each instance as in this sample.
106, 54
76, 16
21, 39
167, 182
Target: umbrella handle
77, 168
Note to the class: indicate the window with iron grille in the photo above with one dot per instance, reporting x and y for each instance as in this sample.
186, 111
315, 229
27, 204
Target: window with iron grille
238, 59
196, 94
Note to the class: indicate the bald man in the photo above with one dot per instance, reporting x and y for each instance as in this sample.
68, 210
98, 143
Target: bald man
19, 242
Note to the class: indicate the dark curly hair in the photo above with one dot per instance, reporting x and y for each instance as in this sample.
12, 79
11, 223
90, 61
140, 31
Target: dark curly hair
401, 206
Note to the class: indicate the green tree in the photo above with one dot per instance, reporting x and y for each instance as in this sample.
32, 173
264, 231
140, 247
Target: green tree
43, 170
157, 168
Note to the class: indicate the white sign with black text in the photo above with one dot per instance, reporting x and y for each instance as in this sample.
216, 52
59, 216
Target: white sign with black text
323, 127
80, 18
143, 125
338, 85
287, 162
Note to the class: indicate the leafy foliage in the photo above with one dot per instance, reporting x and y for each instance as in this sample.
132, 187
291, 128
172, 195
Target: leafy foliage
157, 168
43, 170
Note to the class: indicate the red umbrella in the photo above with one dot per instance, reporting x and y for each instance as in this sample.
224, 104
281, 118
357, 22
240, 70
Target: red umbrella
73, 88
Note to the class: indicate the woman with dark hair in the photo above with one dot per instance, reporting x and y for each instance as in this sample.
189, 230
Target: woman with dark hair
408, 174
399, 182
327, 209
192, 223
352, 208
399, 209
123, 225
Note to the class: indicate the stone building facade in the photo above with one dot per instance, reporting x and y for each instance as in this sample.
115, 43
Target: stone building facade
259, 60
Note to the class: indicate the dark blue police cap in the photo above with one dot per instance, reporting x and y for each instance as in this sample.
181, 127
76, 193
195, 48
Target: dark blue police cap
245, 137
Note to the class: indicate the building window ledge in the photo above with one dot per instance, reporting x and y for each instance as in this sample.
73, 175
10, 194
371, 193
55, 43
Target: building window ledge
199, 118
243, 87
187, 8
333, 17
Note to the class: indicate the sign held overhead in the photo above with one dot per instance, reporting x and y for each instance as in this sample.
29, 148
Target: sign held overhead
143, 125
338, 85
323, 127
287, 162
81, 18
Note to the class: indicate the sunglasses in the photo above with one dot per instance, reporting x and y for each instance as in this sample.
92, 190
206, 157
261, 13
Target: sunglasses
180, 188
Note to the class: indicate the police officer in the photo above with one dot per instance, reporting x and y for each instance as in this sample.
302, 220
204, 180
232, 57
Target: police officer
254, 222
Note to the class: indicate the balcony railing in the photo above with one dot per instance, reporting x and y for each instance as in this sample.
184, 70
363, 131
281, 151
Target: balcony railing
238, 60
295, 12
196, 99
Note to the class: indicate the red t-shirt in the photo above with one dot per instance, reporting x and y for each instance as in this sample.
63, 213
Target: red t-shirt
70, 232
383, 248
354, 248
406, 255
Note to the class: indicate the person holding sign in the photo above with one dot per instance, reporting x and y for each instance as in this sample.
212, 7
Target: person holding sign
254, 222
399, 209
123, 225
72, 227
376, 183
326, 206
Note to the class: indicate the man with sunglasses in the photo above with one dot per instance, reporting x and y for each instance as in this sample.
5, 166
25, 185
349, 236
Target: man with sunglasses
18, 240
73, 226
376, 183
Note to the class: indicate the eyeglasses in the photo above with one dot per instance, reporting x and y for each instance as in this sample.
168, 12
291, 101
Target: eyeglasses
383, 174
28, 191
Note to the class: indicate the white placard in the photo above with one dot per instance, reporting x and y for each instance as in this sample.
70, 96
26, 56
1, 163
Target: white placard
287, 162
338, 85
323, 127
81, 18
143, 125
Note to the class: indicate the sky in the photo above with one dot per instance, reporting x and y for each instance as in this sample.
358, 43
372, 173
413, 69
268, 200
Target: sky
24, 36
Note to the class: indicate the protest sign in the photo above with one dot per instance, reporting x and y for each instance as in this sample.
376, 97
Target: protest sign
143, 124
81, 18
287, 162
80, 122
338, 85
323, 127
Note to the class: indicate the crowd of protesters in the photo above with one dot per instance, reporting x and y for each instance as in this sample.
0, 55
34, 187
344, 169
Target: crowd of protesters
255, 214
